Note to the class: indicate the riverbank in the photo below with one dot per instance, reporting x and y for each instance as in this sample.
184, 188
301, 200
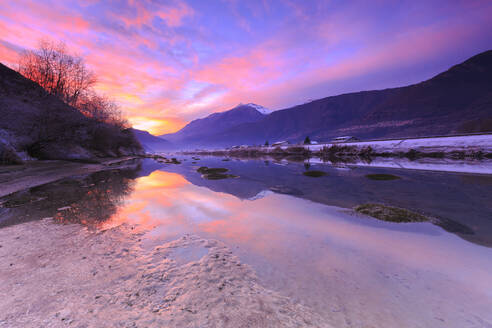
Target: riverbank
453, 147
108, 279
14, 178
123, 249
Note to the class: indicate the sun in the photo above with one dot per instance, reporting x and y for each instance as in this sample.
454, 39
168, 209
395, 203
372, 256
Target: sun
156, 126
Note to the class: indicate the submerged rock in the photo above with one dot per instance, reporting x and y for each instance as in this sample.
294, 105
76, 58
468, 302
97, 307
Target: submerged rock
211, 170
314, 173
218, 176
286, 190
215, 173
382, 177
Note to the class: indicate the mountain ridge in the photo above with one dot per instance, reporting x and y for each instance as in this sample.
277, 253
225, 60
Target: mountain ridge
219, 121
151, 142
456, 100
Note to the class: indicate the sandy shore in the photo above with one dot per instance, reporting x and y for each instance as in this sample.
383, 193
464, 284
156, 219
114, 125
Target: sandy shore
19, 177
57, 275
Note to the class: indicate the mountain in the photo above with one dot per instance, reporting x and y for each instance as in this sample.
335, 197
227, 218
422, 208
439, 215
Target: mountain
151, 142
194, 131
35, 124
457, 100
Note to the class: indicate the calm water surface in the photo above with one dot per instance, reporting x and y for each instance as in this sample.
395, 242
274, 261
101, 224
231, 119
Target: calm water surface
301, 237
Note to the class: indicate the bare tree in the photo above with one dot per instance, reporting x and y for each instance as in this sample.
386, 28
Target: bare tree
60, 73
102, 109
66, 76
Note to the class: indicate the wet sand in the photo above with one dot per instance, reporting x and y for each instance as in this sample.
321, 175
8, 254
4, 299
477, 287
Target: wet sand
57, 275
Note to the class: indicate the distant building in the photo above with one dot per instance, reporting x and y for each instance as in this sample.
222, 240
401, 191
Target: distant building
345, 139
280, 143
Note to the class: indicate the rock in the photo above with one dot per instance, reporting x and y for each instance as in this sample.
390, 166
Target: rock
8, 155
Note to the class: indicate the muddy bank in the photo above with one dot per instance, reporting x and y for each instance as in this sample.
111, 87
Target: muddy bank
35, 173
342, 153
62, 274
452, 147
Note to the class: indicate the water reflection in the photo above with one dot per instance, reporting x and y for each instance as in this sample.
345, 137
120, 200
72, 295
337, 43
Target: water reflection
90, 200
347, 268
461, 205
354, 271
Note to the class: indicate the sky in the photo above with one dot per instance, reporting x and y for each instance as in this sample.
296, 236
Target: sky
169, 62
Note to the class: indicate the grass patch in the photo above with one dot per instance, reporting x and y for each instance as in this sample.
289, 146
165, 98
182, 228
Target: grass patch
382, 177
215, 173
314, 173
390, 213
211, 170
218, 176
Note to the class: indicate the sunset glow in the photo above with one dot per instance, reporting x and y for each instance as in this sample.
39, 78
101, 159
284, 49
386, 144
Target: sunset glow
169, 62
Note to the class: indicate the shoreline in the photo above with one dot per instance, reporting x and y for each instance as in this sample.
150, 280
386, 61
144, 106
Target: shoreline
450, 147
114, 281
14, 178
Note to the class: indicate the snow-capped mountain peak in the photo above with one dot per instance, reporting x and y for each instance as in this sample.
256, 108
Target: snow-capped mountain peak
261, 109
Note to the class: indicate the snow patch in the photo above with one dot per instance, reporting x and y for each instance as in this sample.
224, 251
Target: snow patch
261, 109
261, 194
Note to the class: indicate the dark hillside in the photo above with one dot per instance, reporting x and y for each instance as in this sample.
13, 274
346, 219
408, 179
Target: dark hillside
36, 124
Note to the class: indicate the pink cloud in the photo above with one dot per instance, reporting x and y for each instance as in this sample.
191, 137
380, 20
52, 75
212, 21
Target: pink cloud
144, 12
146, 54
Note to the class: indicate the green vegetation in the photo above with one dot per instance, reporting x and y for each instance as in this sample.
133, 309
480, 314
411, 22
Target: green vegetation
314, 173
211, 170
382, 177
389, 213
307, 141
218, 176
214, 173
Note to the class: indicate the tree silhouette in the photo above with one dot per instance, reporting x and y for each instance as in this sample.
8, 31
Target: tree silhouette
65, 76
307, 141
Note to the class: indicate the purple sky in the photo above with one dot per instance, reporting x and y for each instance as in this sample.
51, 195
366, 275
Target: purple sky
168, 62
